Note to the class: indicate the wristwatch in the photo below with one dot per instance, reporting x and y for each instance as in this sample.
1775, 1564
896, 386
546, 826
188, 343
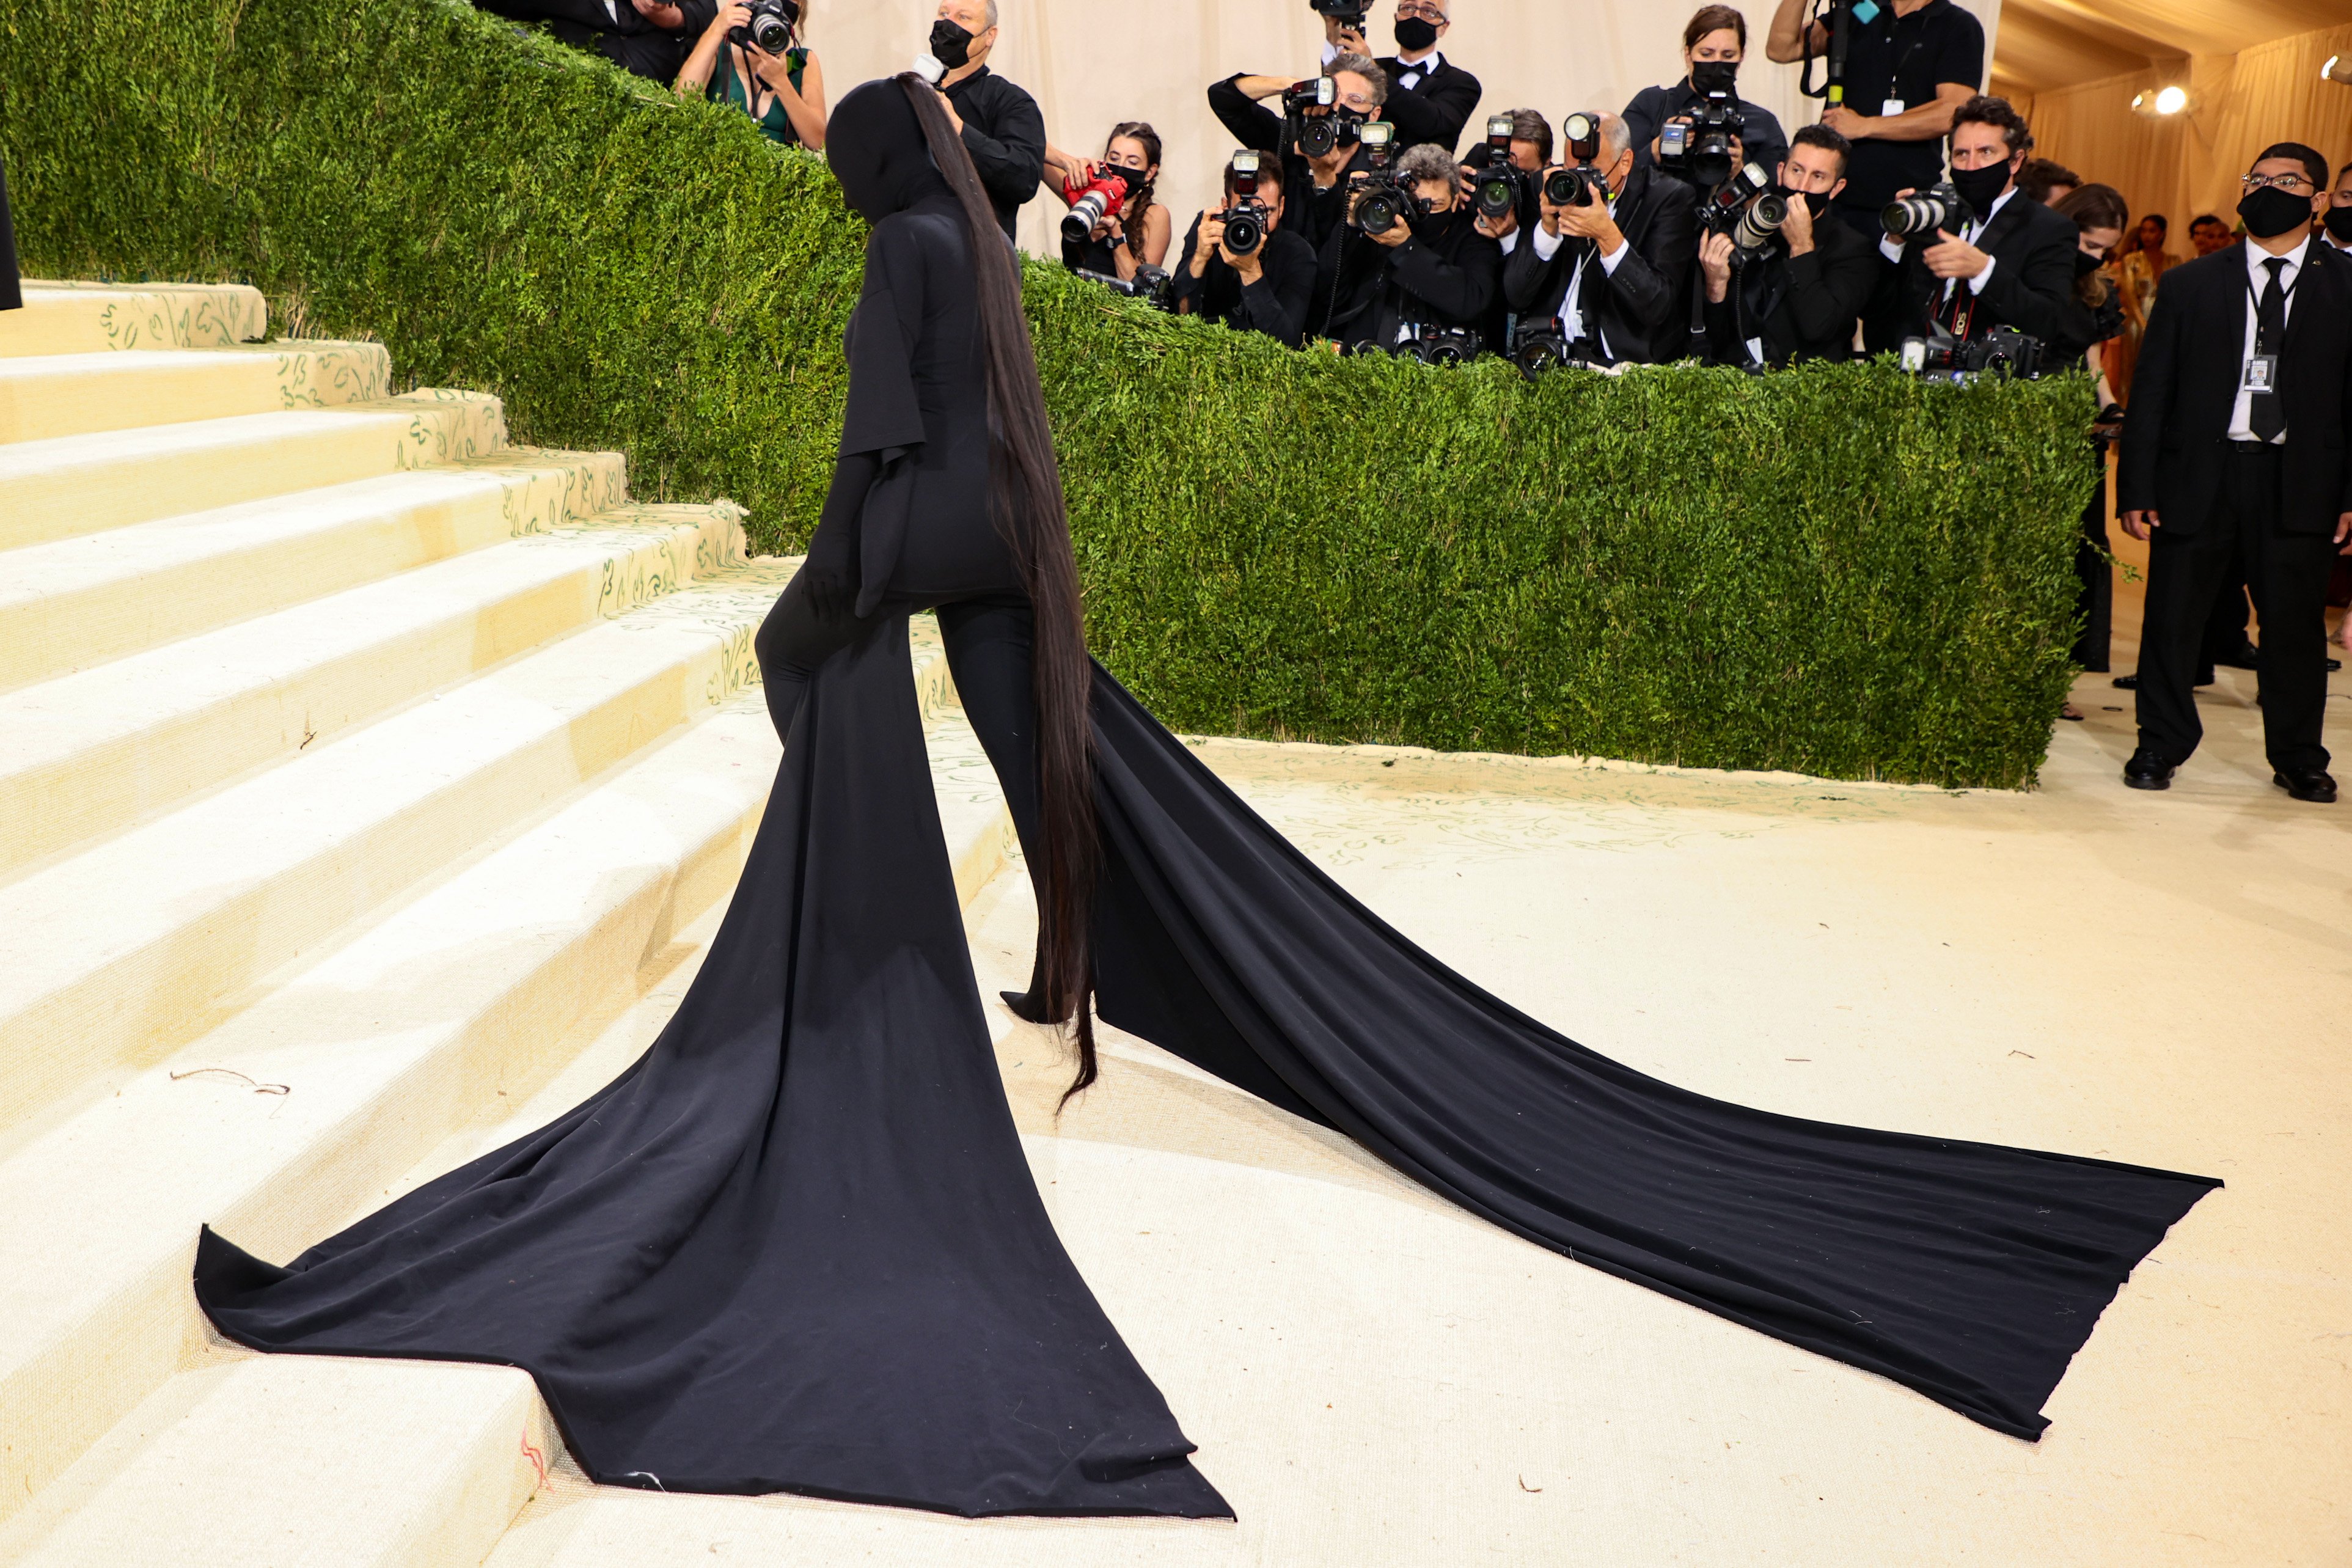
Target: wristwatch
1116, 241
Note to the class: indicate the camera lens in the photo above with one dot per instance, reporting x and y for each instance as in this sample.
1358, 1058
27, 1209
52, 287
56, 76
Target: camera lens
1498, 194
1317, 138
1760, 221
1377, 213
1245, 232
1920, 214
1567, 188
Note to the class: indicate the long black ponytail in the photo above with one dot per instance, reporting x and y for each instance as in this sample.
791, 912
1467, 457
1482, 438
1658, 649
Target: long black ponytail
1024, 485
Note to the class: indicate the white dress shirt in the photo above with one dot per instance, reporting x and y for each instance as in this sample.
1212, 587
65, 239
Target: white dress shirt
2258, 277
1571, 304
1892, 251
1411, 75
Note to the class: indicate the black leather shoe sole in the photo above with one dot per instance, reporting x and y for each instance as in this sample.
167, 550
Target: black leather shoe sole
2150, 781
2127, 683
2317, 792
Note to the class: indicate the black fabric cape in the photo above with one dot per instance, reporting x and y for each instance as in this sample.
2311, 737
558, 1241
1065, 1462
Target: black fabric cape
12, 297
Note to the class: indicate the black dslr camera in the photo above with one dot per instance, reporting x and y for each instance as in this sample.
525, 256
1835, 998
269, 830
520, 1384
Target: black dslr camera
1312, 120
1149, 284
2003, 352
1439, 345
1577, 184
1379, 201
770, 26
1498, 186
1745, 207
1700, 151
1544, 347
1246, 220
1924, 212
1348, 14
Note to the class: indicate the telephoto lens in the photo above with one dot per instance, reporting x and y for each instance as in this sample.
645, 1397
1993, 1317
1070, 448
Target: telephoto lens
769, 27
1759, 221
1106, 191
1924, 212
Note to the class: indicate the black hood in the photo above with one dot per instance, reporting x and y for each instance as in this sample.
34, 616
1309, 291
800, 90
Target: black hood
876, 146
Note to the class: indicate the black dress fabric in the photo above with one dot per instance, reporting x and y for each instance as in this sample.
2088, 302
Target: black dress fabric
797, 1247
12, 295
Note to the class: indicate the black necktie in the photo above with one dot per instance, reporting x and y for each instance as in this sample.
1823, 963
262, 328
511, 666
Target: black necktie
2266, 415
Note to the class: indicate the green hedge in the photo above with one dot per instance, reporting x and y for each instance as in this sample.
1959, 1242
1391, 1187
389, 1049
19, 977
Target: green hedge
1833, 570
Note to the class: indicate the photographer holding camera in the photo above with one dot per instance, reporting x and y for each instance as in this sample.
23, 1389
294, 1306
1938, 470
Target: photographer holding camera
1430, 97
1796, 297
1517, 145
1124, 237
1316, 136
999, 124
1909, 65
1241, 267
782, 88
1410, 269
1717, 38
1609, 258
1977, 253
643, 37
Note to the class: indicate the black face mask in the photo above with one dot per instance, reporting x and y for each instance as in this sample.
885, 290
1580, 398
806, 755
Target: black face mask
2086, 263
951, 45
1982, 187
2270, 212
1414, 33
1816, 202
2339, 223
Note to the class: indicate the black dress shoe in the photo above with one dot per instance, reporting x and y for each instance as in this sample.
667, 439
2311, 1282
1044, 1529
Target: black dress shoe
2312, 784
2147, 771
2127, 683
2245, 656
2334, 664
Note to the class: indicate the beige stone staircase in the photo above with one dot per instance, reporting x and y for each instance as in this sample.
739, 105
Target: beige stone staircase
368, 788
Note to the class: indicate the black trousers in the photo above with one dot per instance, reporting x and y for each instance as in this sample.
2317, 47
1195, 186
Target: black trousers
2095, 600
2288, 573
990, 643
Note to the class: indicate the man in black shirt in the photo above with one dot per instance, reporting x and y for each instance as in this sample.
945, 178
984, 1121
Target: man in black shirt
1433, 268
1908, 69
1264, 291
1430, 97
1798, 298
1000, 124
1315, 189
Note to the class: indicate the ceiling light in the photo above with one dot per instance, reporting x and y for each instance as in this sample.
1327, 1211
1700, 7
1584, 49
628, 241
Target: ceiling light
2163, 102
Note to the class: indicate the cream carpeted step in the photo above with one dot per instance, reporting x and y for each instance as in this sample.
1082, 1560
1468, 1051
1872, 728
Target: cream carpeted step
78, 394
80, 484
91, 318
111, 957
92, 752
77, 603
430, 1038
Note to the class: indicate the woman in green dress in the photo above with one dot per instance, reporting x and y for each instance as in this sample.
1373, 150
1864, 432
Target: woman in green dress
784, 94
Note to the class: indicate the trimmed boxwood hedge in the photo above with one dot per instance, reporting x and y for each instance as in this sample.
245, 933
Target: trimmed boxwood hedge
1834, 570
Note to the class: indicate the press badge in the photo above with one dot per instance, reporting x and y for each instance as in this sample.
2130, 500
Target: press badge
2261, 373
1890, 109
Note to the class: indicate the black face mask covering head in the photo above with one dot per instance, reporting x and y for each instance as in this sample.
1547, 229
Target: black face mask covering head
2086, 263
2270, 212
875, 147
950, 44
1414, 33
1982, 187
2340, 224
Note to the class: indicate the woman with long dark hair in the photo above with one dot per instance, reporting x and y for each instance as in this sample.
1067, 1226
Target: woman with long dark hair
796, 1246
2089, 328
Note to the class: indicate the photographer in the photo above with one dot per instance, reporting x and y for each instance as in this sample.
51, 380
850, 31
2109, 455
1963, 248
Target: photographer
2093, 320
999, 123
1432, 268
1265, 288
784, 94
1430, 97
1613, 268
1798, 297
1314, 189
1530, 155
1135, 234
1908, 68
2011, 263
643, 37
1717, 35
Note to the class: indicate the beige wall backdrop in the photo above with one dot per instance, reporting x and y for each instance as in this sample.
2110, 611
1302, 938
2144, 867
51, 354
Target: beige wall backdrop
1092, 63
2190, 164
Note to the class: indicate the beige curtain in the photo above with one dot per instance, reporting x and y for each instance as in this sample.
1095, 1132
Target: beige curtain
1093, 63
2190, 164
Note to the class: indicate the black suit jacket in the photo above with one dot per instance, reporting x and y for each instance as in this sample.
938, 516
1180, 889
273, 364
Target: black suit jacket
2186, 387
1803, 307
1644, 305
1446, 275
1435, 109
2032, 277
1307, 211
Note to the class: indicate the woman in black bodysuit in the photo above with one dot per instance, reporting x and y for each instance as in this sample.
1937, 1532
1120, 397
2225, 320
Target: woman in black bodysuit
796, 1246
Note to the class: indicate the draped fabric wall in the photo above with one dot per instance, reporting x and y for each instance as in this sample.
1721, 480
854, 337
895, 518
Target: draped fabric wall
1093, 63
2190, 164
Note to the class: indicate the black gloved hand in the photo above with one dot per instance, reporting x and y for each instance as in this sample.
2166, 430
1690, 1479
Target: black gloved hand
831, 571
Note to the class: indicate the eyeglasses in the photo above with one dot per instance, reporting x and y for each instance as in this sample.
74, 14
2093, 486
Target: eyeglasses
1421, 8
2286, 183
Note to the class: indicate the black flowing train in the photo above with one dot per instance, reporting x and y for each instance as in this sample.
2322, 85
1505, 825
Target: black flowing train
796, 1246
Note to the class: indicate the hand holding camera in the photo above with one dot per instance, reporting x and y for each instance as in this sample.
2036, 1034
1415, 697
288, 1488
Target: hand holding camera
1715, 252
661, 15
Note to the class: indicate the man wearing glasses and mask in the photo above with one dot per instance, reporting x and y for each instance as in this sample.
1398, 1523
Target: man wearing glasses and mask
1431, 99
1314, 189
2239, 437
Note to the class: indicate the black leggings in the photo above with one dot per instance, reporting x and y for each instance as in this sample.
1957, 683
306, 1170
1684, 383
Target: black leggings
989, 642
